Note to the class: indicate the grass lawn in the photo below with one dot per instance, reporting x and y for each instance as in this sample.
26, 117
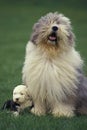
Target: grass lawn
16, 21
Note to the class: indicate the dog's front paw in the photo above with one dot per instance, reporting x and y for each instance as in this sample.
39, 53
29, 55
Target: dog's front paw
37, 111
63, 112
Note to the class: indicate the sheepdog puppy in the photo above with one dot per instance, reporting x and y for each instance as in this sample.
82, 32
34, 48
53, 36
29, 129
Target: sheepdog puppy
21, 100
52, 67
21, 97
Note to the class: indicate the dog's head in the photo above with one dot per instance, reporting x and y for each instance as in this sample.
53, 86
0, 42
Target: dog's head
20, 95
53, 30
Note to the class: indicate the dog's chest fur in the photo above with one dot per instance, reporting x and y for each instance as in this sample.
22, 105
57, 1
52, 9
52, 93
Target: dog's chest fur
51, 78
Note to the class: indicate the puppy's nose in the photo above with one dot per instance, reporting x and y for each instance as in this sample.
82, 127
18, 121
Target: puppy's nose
55, 28
17, 99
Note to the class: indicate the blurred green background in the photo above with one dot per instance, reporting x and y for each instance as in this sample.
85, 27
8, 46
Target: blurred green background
16, 20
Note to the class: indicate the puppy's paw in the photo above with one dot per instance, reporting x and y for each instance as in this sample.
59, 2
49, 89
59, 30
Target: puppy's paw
16, 114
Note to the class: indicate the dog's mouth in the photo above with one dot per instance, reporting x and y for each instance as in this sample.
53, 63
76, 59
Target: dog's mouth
17, 104
17, 101
52, 37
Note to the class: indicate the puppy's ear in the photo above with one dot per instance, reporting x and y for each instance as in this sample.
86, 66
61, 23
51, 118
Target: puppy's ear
28, 95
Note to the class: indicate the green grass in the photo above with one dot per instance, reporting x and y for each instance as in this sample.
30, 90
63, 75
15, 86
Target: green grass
16, 21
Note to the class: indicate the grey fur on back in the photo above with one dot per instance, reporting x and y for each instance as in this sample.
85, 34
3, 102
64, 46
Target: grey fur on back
81, 103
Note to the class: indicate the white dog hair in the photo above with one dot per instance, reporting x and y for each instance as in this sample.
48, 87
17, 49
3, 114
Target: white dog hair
51, 67
22, 97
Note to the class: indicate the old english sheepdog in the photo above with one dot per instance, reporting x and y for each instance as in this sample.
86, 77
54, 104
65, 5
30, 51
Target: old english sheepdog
52, 69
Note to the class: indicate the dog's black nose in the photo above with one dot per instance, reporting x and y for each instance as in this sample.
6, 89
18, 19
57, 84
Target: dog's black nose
54, 28
17, 99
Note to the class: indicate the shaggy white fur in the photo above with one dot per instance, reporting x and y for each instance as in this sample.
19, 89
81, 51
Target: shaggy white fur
22, 97
50, 68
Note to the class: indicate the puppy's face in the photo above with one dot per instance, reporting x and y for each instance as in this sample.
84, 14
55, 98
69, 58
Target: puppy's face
53, 30
20, 94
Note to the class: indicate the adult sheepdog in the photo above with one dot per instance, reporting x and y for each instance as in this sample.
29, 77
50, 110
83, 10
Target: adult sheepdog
52, 68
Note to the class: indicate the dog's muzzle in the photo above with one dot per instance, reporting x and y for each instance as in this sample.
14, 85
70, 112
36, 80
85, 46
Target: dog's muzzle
53, 35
